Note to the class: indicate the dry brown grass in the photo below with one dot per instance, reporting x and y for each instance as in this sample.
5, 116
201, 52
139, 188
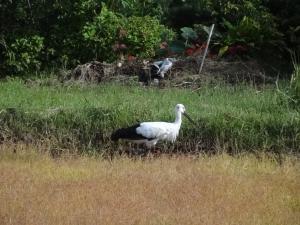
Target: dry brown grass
35, 189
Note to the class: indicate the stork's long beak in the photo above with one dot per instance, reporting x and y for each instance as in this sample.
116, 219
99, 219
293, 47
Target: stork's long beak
189, 118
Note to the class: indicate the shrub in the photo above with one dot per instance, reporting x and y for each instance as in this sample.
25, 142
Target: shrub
246, 22
102, 33
111, 35
144, 34
240, 26
24, 54
288, 17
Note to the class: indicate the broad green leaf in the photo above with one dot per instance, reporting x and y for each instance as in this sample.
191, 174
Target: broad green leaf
223, 50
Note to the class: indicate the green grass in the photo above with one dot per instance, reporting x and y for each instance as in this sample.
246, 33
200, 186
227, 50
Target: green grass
295, 82
231, 118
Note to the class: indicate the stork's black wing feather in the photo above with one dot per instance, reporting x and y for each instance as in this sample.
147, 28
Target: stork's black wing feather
127, 133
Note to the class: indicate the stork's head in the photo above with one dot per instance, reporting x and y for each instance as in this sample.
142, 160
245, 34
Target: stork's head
180, 108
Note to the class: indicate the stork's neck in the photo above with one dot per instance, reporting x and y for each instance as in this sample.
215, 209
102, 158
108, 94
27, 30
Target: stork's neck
178, 118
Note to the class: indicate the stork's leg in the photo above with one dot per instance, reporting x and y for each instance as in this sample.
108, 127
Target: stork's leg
134, 150
156, 151
140, 151
152, 149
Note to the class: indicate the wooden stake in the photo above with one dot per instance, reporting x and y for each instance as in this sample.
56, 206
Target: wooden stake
206, 48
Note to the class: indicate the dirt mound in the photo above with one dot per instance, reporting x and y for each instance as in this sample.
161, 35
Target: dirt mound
184, 70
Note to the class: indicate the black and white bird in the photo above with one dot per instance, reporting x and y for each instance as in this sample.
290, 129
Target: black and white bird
163, 66
149, 133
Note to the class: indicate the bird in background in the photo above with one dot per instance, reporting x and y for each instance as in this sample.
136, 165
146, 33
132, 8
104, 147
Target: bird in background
164, 66
149, 133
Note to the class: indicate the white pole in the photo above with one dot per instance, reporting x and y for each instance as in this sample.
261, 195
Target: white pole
206, 48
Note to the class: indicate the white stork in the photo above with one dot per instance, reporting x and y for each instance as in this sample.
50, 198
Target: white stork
149, 133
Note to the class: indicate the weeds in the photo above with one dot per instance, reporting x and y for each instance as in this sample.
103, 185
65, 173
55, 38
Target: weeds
295, 81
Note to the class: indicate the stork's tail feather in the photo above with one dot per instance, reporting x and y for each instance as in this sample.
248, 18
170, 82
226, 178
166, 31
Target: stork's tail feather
116, 135
126, 133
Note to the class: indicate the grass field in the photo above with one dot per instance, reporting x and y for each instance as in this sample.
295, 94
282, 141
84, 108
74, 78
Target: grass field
36, 189
260, 188
83, 116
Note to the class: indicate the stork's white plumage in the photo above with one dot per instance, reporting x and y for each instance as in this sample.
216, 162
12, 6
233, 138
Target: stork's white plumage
164, 67
150, 133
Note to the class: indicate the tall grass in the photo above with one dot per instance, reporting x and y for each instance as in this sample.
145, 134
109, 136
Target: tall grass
36, 189
295, 81
228, 117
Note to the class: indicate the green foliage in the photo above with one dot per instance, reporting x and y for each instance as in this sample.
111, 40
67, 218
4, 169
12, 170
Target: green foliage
188, 34
24, 54
203, 30
140, 8
139, 36
72, 29
102, 33
144, 34
74, 32
246, 32
248, 23
287, 17
250, 32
